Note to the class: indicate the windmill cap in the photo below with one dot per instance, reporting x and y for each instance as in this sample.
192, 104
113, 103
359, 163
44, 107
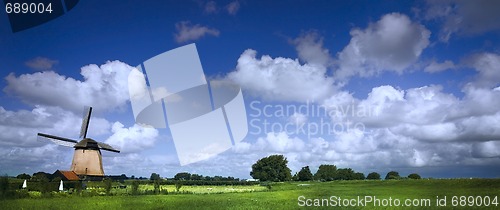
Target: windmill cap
87, 143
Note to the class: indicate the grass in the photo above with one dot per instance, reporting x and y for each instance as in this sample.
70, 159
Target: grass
281, 196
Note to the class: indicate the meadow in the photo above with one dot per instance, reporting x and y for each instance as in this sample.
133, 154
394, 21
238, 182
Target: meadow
285, 196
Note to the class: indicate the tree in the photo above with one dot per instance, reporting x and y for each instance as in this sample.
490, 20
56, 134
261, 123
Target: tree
272, 168
373, 176
196, 177
392, 175
41, 176
414, 176
56, 179
154, 176
23, 176
344, 174
359, 176
305, 174
182, 176
326, 172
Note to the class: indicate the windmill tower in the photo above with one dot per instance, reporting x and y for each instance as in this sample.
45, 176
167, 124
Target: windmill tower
87, 160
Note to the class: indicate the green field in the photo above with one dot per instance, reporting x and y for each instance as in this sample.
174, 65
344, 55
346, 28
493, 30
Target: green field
281, 196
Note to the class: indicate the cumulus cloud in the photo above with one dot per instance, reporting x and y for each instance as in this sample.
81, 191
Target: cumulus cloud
20, 128
435, 67
464, 17
103, 87
281, 78
488, 149
298, 119
426, 113
391, 44
310, 48
48, 158
486, 64
132, 139
41, 63
186, 31
58, 102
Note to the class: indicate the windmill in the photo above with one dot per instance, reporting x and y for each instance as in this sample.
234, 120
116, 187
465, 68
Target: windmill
87, 160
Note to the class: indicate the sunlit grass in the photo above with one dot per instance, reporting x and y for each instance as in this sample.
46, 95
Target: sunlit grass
281, 196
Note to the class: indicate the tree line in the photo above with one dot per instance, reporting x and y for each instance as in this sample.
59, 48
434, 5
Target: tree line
274, 168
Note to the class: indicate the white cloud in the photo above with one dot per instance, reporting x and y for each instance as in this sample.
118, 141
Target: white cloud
354, 141
233, 7
391, 44
281, 78
132, 139
189, 32
279, 142
435, 67
464, 17
41, 63
310, 49
424, 114
488, 149
20, 128
104, 87
487, 66
298, 119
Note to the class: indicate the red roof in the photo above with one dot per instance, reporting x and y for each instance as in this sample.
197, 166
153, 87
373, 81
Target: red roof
70, 175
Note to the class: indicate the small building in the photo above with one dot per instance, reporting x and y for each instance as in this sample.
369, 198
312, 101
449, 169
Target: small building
66, 175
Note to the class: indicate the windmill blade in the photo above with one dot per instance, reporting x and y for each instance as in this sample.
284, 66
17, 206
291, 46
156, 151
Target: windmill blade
87, 111
107, 147
57, 140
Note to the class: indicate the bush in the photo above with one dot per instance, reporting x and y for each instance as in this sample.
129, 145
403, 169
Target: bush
4, 186
21, 194
108, 184
135, 187
34, 194
156, 184
392, 175
178, 186
414, 176
373, 176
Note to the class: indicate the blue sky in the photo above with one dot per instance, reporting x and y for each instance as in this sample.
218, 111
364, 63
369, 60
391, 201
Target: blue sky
427, 72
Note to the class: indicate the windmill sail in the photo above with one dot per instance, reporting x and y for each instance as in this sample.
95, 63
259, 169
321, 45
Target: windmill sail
107, 147
57, 140
85, 122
